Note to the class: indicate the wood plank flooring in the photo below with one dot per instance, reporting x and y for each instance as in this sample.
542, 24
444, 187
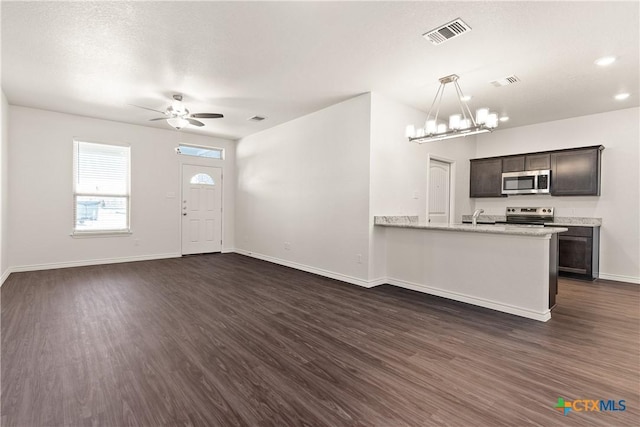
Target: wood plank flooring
226, 340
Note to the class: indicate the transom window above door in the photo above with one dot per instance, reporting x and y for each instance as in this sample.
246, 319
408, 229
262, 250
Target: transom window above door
198, 151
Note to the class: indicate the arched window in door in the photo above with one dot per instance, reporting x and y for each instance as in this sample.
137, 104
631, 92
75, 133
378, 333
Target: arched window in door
202, 178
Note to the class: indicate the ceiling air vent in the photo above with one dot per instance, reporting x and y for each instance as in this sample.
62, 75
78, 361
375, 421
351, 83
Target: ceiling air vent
509, 80
256, 118
447, 31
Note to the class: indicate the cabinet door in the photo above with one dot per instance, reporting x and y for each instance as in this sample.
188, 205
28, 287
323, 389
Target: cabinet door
534, 162
575, 254
575, 172
486, 178
513, 164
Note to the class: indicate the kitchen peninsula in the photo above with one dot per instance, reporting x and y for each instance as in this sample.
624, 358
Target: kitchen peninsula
505, 268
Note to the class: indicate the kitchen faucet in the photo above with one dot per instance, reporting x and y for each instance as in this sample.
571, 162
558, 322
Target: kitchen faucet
476, 214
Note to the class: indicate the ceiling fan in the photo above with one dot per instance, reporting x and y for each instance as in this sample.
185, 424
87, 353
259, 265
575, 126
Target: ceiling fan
178, 116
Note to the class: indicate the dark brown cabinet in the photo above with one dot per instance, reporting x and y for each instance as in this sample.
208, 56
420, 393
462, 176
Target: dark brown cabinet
578, 252
486, 177
528, 162
576, 172
513, 164
535, 162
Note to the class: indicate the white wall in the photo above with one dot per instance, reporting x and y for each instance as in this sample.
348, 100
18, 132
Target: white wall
306, 182
4, 187
40, 188
502, 272
399, 169
618, 204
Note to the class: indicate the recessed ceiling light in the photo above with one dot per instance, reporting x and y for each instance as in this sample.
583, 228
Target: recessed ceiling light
465, 98
605, 60
504, 118
621, 96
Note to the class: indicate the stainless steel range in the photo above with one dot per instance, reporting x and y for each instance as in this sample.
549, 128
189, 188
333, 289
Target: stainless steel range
528, 216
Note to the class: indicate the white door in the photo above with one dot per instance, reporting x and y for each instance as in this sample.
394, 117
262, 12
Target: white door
439, 185
201, 209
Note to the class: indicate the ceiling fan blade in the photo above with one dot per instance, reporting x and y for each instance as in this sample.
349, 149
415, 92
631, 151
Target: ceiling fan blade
158, 118
145, 108
206, 116
194, 122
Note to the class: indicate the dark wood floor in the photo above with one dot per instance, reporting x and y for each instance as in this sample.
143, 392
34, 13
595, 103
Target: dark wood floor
224, 340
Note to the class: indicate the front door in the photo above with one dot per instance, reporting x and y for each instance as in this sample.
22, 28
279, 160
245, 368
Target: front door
201, 209
439, 177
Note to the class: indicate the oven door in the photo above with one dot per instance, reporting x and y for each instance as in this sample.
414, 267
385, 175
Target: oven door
519, 182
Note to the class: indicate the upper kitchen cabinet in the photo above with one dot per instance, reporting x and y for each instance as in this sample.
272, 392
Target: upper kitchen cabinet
513, 164
486, 178
576, 172
527, 162
535, 162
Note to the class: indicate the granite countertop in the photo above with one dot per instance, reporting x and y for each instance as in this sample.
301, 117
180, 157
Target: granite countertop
413, 222
559, 221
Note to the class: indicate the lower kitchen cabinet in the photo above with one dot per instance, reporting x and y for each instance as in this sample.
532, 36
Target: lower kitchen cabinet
578, 252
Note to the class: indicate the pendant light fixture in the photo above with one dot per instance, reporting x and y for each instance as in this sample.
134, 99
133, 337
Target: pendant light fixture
463, 124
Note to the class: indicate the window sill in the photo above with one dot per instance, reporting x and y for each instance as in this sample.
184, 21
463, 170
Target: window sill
90, 234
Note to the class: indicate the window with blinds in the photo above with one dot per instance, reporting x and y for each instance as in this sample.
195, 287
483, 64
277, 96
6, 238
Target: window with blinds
100, 188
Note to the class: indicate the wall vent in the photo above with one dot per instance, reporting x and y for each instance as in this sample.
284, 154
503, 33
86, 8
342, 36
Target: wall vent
256, 118
509, 80
447, 31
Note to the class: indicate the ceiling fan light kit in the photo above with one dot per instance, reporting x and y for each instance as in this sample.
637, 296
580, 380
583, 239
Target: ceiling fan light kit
178, 122
460, 125
178, 116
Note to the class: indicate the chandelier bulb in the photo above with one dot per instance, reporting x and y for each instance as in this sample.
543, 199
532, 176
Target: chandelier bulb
492, 120
454, 121
431, 127
481, 115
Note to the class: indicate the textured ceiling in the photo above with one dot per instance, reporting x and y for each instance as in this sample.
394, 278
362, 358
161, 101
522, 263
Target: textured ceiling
287, 59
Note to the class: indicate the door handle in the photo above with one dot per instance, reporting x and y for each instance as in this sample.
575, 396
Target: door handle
184, 214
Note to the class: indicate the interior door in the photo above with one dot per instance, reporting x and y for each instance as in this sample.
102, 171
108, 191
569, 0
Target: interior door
439, 190
201, 209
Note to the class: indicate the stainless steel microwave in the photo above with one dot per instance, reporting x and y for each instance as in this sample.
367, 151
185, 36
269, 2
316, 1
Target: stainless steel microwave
526, 182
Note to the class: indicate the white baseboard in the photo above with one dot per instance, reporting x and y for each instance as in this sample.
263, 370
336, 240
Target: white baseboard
314, 270
100, 261
619, 278
5, 276
518, 311
377, 282
493, 305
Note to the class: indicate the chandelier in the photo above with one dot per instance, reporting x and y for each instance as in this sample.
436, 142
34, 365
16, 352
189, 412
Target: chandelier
463, 124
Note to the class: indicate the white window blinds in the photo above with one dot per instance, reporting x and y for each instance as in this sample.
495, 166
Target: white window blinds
100, 187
